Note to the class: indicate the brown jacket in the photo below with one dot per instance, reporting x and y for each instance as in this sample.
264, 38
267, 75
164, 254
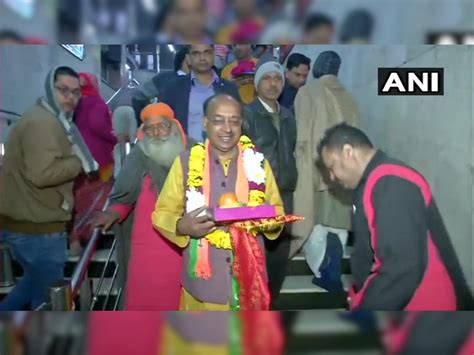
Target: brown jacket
36, 181
319, 105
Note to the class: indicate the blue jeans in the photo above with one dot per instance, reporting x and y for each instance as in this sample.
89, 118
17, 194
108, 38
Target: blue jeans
42, 258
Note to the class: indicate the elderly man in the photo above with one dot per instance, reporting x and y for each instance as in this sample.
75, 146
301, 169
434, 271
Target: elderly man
403, 259
155, 265
221, 271
273, 129
327, 209
44, 154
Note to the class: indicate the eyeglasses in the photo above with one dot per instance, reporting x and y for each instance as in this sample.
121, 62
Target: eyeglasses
66, 91
206, 53
220, 121
156, 128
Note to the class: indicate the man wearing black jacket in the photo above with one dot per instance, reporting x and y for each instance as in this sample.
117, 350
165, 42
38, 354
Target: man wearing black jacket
403, 258
155, 86
187, 94
272, 127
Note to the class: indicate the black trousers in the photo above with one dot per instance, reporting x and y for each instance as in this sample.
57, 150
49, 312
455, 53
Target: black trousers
277, 253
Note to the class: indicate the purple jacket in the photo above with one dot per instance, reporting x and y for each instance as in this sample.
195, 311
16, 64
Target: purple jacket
94, 121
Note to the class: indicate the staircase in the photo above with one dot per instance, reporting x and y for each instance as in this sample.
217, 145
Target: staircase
299, 293
96, 268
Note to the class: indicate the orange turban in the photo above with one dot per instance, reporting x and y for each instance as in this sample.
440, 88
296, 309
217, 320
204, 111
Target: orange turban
159, 109
163, 110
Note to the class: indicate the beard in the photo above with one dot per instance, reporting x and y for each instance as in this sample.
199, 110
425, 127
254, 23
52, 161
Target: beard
163, 151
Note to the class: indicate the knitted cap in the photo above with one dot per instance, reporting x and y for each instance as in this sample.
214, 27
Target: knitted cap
269, 67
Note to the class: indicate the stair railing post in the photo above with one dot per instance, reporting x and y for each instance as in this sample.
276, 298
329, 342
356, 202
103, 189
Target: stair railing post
60, 296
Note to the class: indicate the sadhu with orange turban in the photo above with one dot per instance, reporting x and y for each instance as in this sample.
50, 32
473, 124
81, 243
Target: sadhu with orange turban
154, 264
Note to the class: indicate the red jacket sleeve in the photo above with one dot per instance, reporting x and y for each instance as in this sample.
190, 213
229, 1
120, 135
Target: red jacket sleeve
101, 121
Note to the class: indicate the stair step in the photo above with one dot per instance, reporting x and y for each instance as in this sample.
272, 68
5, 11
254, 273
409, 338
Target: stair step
299, 293
95, 281
303, 284
100, 255
323, 322
96, 266
105, 241
300, 267
105, 286
327, 332
6, 290
308, 301
347, 254
110, 303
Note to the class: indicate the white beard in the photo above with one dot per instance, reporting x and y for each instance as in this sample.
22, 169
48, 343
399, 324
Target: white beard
163, 152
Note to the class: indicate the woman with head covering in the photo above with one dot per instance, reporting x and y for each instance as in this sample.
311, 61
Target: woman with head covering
94, 121
154, 264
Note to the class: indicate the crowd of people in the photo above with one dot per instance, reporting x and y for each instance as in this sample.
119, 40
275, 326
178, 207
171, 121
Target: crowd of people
256, 130
207, 21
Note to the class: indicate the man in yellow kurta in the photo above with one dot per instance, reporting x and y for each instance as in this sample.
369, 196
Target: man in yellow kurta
242, 52
221, 272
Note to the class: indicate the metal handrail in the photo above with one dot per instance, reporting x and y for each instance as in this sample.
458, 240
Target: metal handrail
132, 83
80, 271
102, 278
10, 112
83, 264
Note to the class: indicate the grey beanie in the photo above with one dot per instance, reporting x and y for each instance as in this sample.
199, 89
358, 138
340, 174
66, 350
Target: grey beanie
327, 62
266, 68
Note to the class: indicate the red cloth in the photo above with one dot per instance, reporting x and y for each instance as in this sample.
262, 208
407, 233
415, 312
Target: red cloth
250, 271
35, 40
124, 333
90, 196
89, 84
263, 333
94, 121
247, 31
244, 67
155, 266
468, 347
123, 210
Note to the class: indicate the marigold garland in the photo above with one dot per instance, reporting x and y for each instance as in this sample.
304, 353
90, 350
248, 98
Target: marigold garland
219, 238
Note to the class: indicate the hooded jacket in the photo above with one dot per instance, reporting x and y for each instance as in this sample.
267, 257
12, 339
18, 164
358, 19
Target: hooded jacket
36, 181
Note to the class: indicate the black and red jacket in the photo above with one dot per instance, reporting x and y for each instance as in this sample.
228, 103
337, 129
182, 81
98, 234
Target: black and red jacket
440, 333
402, 258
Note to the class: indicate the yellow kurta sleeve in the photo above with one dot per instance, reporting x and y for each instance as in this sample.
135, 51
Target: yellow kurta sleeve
226, 71
170, 206
272, 196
